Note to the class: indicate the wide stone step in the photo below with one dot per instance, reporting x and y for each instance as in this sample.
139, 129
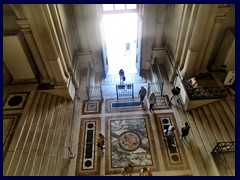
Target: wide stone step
56, 140
19, 139
49, 142
207, 127
202, 134
43, 138
212, 123
203, 144
217, 118
64, 140
31, 135
228, 111
231, 102
196, 148
226, 122
37, 138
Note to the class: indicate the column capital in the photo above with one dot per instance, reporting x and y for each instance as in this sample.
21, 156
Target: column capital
26, 31
23, 23
222, 11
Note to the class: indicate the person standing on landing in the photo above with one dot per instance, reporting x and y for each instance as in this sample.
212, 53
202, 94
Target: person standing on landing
122, 76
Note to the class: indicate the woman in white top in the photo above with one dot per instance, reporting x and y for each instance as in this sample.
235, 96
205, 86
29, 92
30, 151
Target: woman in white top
152, 101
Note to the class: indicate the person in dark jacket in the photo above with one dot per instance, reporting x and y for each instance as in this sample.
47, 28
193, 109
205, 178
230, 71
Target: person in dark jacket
142, 93
185, 130
175, 92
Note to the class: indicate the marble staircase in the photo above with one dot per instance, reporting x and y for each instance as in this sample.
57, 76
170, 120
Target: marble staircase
210, 124
39, 146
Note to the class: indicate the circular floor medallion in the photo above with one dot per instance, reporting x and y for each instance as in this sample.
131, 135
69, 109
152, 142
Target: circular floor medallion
165, 121
14, 101
88, 163
129, 141
90, 126
175, 158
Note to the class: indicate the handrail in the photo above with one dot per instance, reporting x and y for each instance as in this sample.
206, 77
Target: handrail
224, 147
94, 92
124, 90
160, 81
205, 92
218, 151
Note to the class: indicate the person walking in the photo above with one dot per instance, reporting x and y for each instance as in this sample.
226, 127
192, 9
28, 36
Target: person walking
127, 170
122, 76
127, 48
185, 131
152, 101
145, 172
169, 135
175, 93
101, 143
142, 93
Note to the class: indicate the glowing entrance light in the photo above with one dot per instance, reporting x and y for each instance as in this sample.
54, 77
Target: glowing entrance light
118, 30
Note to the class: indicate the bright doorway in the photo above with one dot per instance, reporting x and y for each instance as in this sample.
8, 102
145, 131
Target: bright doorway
118, 30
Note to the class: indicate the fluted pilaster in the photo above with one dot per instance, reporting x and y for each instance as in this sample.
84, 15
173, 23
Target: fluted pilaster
196, 40
25, 28
44, 39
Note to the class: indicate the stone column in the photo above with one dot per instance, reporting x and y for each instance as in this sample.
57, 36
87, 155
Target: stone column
182, 34
196, 39
77, 14
221, 15
214, 34
25, 28
41, 31
161, 18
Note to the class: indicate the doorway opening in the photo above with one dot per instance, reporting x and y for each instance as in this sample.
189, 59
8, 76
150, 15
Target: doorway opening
120, 32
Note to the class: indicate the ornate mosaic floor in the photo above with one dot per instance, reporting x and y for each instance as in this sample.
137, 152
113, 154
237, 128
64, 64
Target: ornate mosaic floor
91, 107
174, 157
162, 102
130, 140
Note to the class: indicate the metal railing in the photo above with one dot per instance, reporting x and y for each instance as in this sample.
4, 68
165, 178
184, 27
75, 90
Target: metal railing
94, 92
218, 154
157, 86
124, 90
205, 92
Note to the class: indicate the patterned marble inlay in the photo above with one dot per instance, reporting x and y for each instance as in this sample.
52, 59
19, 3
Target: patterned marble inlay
91, 107
130, 141
174, 157
87, 156
15, 101
162, 102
